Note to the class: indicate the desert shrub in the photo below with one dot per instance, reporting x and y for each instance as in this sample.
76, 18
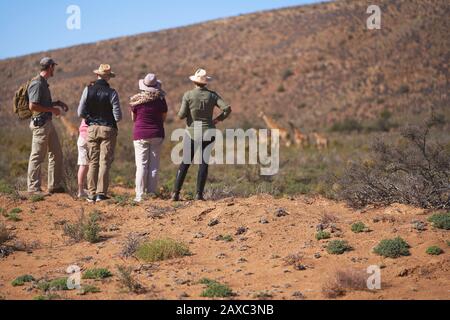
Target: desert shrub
132, 243
434, 250
128, 282
448, 242
6, 188
122, 200
84, 229
358, 227
287, 73
281, 88
56, 284
20, 281
338, 247
392, 248
4, 234
96, 274
262, 295
413, 171
70, 168
86, 289
161, 249
13, 215
440, 220
45, 297
226, 238
343, 281
383, 122
37, 198
347, 125
323, 235
215, 289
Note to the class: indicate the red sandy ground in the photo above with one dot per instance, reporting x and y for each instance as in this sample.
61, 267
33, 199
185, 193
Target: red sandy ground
263, 246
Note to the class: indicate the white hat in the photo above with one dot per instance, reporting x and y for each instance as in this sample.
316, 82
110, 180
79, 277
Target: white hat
149, 83
200, 76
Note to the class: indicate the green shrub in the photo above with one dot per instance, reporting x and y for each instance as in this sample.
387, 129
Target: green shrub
434, 250
347, 125
226, 238
215, 289
4, 234
338, 247
358, 227
323, 235
13, 215
128, 282
56, 284
20, 281
84, 229
440, 220
99, 273
448, 242
161, 249
392, 248
47, 297
37, 198
5, 188
89, 289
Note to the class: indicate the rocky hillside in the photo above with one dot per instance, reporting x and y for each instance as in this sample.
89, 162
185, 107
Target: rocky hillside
311, 64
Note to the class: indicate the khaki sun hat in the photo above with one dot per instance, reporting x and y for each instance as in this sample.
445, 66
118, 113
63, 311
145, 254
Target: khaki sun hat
105, 70
201, 77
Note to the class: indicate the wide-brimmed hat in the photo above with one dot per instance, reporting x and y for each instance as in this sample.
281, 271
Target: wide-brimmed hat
105, 70
201, 77
149, 83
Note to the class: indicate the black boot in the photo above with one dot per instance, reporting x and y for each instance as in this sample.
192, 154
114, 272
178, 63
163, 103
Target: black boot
199, 196
176, 196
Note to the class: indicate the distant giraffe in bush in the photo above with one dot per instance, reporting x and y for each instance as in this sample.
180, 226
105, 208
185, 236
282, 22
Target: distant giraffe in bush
300, 139
71, 129
271, 124
321, 141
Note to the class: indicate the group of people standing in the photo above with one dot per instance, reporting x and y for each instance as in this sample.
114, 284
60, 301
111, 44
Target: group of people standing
100, 111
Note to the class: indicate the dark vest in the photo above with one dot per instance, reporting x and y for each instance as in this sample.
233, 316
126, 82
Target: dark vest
99, 110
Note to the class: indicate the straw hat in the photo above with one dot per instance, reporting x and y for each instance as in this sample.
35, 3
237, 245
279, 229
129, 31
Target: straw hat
150, 83
105, 70
201, 77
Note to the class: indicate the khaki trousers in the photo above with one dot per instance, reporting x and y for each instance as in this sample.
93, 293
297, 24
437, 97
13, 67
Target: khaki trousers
45, 139
101, 141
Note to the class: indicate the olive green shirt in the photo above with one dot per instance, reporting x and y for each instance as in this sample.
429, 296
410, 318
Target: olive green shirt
198, 105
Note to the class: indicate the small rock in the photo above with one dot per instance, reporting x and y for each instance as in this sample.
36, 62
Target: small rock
242, 260
113, 228
298, 295
403, 273
199, 235
280, 212
419, 225
317, 255
263, 220
221, 256
213, 222
183, 295
241, 230
300, 267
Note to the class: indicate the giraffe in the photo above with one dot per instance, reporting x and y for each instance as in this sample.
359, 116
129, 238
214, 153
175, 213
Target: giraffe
321, 141
271, 124
300, 139
71, 129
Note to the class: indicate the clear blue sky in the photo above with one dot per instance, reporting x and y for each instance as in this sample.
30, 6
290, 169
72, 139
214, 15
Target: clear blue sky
28, 26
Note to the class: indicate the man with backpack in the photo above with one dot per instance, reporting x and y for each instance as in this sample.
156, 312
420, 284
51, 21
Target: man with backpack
45, 138
100, 107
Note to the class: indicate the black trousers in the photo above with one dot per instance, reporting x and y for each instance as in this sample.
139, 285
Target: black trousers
202, 174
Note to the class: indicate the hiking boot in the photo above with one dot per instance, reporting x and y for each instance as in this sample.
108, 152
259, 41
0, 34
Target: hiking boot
199, 197
101, 197
57, 190
176, 196
90, 199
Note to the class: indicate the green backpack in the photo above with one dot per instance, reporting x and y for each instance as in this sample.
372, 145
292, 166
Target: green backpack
21, 102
